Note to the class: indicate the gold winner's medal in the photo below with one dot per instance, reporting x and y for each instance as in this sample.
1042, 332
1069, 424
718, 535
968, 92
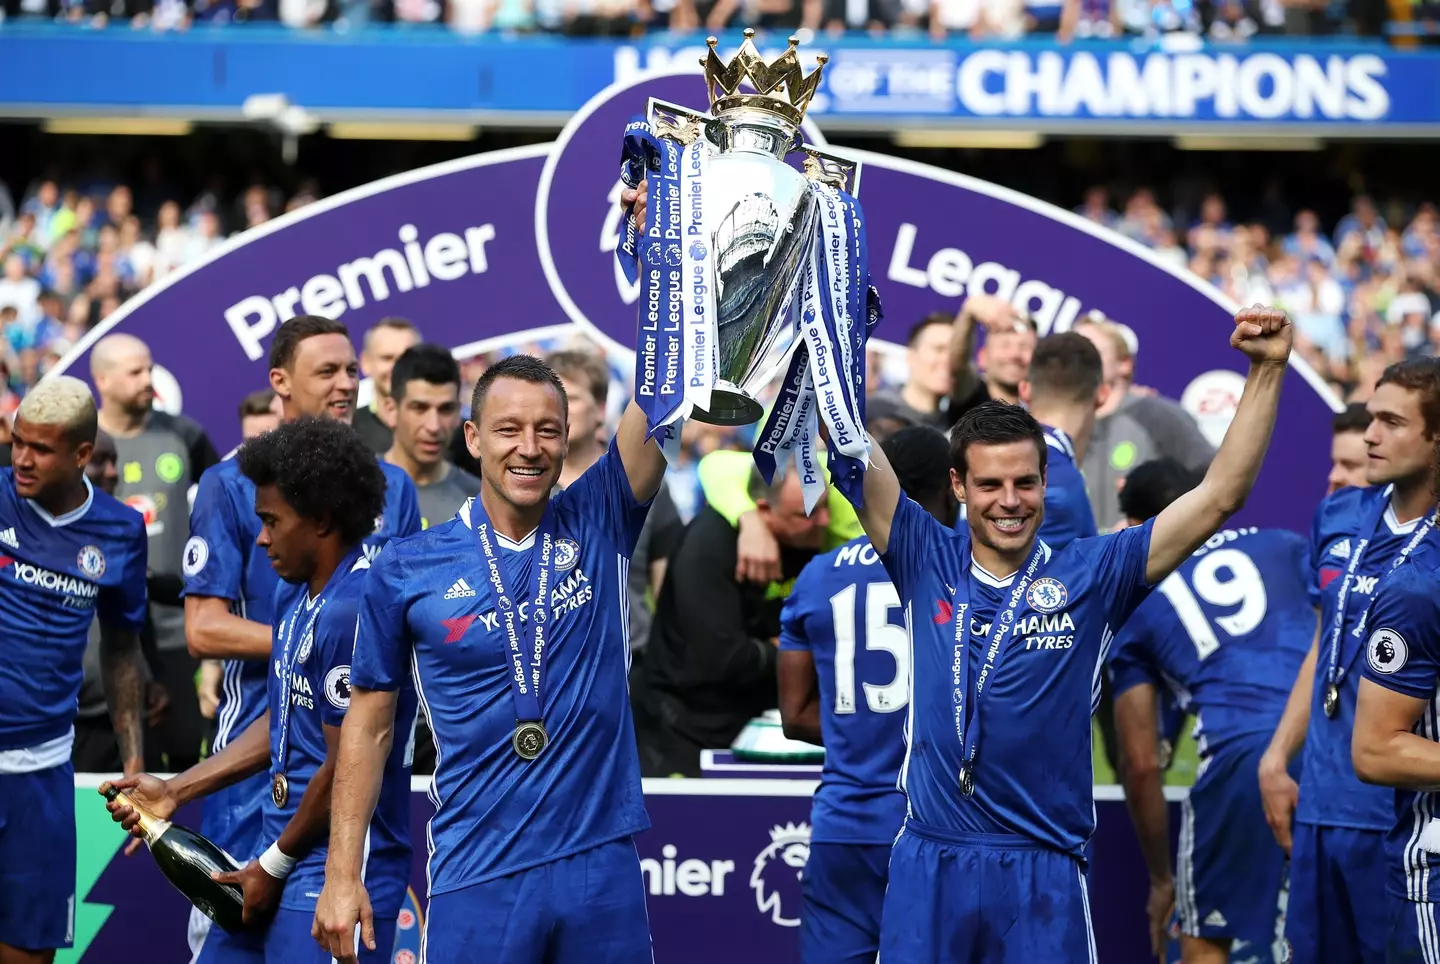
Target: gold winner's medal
1332, 700
279, 789
530, 739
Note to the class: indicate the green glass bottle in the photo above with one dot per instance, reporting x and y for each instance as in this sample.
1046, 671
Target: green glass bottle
187, 860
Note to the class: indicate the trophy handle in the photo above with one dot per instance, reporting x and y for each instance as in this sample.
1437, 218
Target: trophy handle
831, 168
676, 122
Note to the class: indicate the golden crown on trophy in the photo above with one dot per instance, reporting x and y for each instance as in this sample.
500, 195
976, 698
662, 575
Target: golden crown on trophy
783, 89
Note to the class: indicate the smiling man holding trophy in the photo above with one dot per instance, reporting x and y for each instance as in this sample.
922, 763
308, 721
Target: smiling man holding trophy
538, 789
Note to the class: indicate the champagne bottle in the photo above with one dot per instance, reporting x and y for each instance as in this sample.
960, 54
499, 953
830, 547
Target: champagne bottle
187, 860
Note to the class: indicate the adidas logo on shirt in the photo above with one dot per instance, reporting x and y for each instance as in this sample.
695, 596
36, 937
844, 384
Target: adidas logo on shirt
1216, 919
1341, 549
460, 590
8, 538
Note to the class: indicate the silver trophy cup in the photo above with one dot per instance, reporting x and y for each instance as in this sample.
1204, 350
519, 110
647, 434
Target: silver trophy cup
760, 213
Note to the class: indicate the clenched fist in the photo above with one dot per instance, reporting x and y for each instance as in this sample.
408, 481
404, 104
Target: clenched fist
1265, 335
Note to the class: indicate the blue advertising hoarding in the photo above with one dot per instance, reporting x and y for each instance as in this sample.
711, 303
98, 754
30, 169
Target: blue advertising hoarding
1310, 87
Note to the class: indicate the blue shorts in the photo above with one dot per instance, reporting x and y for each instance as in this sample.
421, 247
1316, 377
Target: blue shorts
1339, 909
37, 858
588, 908
995, 898
1414, 932
1231, 872
286, 940
843, 887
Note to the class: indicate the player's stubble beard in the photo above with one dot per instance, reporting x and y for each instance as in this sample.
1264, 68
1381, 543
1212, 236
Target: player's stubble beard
1012, 549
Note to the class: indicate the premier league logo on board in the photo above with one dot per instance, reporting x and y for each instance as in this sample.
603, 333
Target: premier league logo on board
1047, 595
1387, 651
672, 257
698, 251
567, 553
91, 562
776, 877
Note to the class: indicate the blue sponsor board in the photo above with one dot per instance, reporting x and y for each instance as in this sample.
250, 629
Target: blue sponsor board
1337, 88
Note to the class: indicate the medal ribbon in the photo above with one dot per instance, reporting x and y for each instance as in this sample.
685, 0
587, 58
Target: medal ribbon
288, 663
967, 704
1335, 672
527, 657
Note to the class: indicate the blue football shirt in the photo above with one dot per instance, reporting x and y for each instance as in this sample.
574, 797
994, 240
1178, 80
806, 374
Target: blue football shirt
223, 561
1402, 653
428, 604
320, 634
1330, 793
845, 612
57, 574
1226, 634
1068, 515
1033, 774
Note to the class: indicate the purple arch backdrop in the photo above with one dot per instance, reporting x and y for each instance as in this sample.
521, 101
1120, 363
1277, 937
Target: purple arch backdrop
492, 247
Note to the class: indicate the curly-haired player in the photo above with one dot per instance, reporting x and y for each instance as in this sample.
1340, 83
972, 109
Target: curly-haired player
318, 490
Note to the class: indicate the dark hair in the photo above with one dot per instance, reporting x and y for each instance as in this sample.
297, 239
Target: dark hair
993, 423
323, 469
585, 367
257, 403
1065, 367
1420, 375
425, 363
934, 318
1153, 485
1355, 418
297, 329
920, 456
525, 368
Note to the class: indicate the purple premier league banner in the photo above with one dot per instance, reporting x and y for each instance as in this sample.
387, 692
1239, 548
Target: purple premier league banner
497, 248
721, 867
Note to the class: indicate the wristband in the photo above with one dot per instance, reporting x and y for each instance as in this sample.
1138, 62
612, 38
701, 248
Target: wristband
276, 862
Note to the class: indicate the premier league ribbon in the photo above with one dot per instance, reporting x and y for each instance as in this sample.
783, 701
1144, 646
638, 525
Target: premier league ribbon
966, 698
527, 657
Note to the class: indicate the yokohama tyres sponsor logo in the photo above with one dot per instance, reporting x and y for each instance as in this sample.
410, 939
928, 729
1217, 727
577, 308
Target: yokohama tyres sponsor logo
31, 575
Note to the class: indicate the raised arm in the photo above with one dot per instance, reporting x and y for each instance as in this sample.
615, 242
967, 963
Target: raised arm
1265, 336
644, 462
882, 495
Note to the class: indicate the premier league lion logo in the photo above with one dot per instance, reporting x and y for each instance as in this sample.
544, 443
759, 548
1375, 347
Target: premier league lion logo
776, 877
698, 251
1047, 595
1387, 651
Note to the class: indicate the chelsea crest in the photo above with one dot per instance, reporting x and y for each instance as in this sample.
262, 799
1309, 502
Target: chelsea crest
1047, 595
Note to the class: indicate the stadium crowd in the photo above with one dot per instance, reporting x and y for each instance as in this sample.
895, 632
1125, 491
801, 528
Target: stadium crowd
1221, 20
1365, 291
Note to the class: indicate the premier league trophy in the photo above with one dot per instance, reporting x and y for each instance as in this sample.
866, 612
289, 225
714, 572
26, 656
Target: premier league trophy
748, 266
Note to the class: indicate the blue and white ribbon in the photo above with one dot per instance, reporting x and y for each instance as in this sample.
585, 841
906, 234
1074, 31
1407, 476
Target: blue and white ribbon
831, 305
